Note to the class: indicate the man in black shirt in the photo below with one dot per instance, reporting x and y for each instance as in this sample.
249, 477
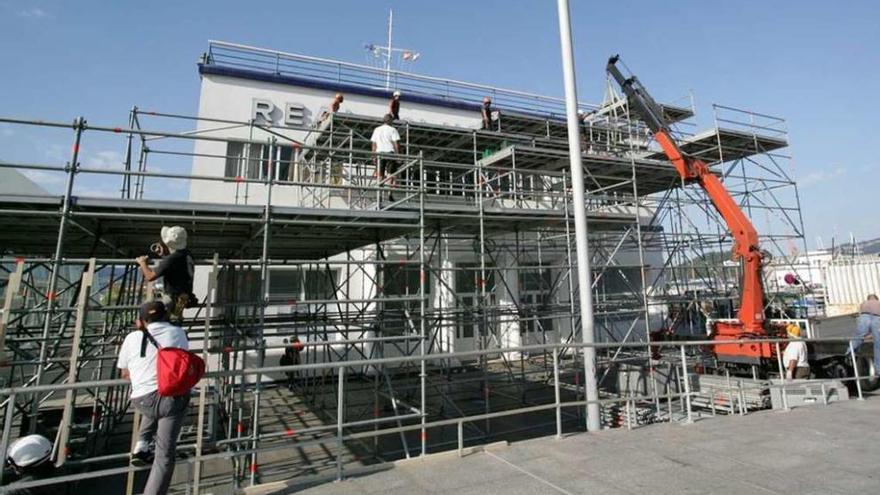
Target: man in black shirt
291, 358
176, 269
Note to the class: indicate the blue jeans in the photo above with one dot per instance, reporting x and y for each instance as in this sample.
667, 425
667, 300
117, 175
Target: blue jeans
868, 324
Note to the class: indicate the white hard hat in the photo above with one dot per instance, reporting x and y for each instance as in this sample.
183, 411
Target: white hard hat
396, 93
29, 451
174, 237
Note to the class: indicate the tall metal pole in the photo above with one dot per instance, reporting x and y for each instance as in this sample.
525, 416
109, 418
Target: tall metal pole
78, 126
580, 216
126, 179
388, 55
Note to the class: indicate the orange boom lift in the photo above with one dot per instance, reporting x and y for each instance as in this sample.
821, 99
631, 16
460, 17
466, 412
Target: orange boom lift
750, 324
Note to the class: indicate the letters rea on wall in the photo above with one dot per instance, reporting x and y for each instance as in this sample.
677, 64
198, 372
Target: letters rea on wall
264, 111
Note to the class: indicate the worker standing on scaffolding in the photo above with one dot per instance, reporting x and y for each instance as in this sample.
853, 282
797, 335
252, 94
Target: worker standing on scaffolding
385, 140
176, 269
334, 106
486, 113
394, 105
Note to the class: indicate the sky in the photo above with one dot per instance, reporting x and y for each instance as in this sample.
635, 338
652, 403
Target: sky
814, 63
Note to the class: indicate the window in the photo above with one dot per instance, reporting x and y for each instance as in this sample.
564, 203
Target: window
251, 161
468, 291
296, 284
242, 285
621, 280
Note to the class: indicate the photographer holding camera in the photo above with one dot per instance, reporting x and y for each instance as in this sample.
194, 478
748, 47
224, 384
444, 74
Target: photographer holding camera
176, 268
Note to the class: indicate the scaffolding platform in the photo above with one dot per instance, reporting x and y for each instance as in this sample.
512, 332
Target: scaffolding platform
555, 127
438, 143
726, 145
126, 227
603, 172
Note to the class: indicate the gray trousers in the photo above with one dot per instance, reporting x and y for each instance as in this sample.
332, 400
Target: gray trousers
161, 419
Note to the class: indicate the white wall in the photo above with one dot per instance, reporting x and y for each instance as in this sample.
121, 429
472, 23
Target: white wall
229, 98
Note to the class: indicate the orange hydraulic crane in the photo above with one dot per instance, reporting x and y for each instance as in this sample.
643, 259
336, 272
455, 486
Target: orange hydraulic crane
750, 324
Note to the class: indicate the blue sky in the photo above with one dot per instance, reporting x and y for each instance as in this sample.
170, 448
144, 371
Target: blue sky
815, 63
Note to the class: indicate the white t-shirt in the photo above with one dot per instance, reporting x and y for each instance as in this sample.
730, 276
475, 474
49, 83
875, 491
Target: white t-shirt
143, 369
795, 350
385, 136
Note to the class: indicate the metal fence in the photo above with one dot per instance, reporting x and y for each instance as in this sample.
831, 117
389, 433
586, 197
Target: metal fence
685, 356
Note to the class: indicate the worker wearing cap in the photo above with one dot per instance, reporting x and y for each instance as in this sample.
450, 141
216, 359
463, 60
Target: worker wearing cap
176, 268
394, 105
868, 322
161, 417
29, 459
486, 113
794, 358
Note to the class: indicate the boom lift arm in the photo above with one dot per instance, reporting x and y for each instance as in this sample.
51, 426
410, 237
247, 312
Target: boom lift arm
691, 169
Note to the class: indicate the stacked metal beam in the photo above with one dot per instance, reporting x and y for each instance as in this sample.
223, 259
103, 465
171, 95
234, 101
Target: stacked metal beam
727, 394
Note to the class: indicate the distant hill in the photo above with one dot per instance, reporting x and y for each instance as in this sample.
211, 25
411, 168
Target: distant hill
868, 247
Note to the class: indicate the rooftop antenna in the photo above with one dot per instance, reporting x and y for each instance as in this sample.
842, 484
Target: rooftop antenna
386, 53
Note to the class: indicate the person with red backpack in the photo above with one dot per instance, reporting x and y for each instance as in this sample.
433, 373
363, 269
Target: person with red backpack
147, 358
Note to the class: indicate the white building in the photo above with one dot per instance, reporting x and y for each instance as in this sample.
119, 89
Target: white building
287, 106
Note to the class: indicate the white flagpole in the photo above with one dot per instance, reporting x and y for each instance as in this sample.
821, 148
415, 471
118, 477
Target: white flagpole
389, 53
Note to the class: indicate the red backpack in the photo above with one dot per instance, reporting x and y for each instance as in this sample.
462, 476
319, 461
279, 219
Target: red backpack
177, 370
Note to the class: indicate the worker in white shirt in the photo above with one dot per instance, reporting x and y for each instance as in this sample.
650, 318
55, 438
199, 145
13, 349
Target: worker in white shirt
386, 140
794, 358
161, 417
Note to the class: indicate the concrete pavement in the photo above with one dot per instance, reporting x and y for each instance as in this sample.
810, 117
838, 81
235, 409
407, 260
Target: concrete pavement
816, 449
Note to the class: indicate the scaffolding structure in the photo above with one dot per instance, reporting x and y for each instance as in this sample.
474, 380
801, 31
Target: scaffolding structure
447, 308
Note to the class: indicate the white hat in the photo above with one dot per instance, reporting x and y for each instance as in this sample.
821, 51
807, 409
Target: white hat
174, 237
29, 451
396, 93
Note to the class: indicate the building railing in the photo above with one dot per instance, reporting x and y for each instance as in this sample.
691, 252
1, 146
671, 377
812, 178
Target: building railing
274, 62
341, 177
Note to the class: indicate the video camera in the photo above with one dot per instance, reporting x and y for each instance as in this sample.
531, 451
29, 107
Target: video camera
158, 250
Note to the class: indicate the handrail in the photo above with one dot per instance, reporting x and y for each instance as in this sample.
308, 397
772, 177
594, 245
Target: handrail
416, 358
518, 98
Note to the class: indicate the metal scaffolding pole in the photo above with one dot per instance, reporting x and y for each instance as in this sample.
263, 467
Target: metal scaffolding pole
78, 126
502, 218
580, 216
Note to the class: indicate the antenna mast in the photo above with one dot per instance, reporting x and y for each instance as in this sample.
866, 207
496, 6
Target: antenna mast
385, 54
389, 52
